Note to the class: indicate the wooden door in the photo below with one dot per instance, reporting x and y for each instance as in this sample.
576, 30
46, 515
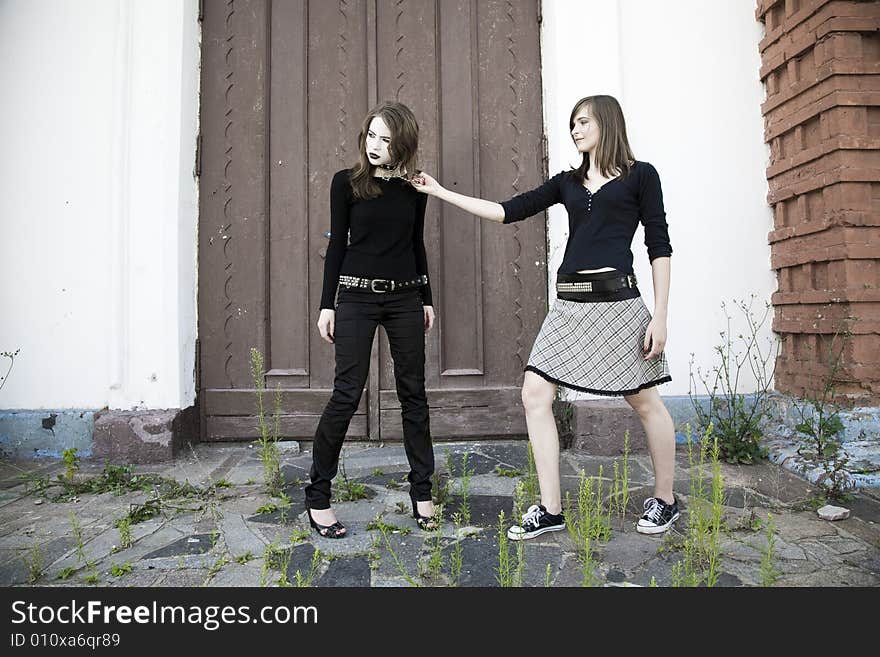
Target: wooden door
285, 86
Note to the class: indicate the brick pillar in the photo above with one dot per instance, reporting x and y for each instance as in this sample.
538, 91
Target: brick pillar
821, 69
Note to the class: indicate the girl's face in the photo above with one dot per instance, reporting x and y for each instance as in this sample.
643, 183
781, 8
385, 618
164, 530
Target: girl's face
378, 141
585, 132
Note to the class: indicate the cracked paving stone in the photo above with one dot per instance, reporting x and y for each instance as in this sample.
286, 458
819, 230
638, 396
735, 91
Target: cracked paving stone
629, 551
195, 544
384, 479
17, 570
660, 569
347, 571
571, 463
571, 574
484, 509
476, 552
537, 556
294, 473
300, 560
406, 547
842, 545
743, 499
728, 580
510, 456
275, 517
341, 495
477, 464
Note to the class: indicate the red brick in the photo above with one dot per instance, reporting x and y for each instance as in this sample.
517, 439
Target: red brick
863, 273
821, 68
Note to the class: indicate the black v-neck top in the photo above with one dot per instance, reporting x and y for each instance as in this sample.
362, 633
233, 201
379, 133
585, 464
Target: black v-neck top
601, 225
382, 237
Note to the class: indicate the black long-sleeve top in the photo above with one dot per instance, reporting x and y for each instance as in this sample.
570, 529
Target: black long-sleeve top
382, 237
601, 226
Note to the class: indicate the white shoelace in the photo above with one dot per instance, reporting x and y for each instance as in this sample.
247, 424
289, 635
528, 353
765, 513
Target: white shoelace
653, 509
531, 516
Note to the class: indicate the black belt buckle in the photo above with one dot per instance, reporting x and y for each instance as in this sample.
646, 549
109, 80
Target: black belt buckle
631, 280
389, 284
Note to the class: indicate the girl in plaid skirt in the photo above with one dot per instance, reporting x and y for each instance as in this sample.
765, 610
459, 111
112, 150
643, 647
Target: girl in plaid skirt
599, 336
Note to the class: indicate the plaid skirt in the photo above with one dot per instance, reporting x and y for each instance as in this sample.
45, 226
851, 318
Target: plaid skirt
596, 347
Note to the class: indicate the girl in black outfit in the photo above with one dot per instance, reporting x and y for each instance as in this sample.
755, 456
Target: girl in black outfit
376, 257
598, 336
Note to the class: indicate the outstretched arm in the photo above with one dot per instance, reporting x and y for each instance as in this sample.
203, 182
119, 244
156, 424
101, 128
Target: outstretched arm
482, 208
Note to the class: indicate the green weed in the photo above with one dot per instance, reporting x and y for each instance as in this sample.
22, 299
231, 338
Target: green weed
737, 417
298, 536
117, 570
455, 557
769, 572
65, 573
532, 487
303, 581
504, 574
34, 563
465, 506
349, 491
124, 526
268, 441
378, 523
71, 463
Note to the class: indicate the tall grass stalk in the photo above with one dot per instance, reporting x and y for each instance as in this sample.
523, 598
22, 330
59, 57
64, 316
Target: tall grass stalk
455, 557
77, 533
397, 563
268, 441
702, 544
503, 573
465, 508
769, 573
532, 486
518, 504
713, 545
582, 525
434, 540
305, 581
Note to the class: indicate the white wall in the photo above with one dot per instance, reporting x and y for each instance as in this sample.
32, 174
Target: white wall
686, 75
98, 202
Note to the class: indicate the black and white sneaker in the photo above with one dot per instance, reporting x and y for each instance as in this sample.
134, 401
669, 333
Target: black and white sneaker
535, 522
658, 516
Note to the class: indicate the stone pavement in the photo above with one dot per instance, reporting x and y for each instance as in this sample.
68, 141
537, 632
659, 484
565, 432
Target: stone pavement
228, 532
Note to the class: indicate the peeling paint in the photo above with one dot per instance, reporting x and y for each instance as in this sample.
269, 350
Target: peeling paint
28, 434
49, 422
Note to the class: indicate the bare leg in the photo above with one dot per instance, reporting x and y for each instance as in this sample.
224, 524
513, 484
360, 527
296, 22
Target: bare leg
661, 439
537, 398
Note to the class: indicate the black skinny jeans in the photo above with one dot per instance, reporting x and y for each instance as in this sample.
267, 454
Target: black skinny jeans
358, 313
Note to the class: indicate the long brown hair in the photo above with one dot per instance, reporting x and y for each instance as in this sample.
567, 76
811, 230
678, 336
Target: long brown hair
613, 153
403, 148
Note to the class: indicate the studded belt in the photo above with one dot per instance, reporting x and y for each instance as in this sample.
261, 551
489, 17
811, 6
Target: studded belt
381, 285
607, 285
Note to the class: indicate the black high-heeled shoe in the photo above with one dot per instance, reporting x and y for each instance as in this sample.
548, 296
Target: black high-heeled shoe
336, 530
425, 523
